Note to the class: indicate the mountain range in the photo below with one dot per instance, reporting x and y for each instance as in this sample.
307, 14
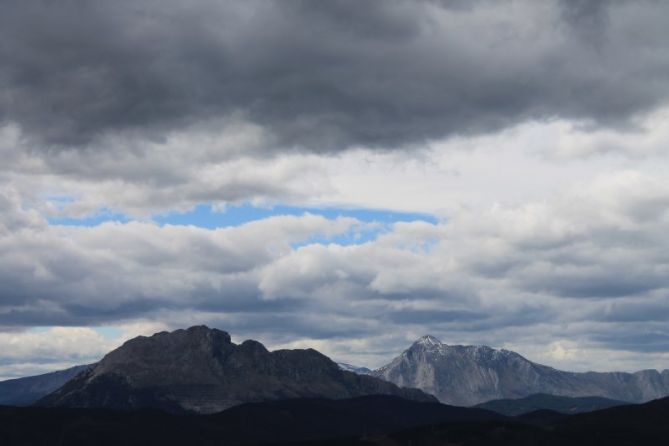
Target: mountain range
200, 370
469, 375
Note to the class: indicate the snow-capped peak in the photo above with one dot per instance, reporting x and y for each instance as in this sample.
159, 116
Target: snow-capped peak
353, 368
428, 341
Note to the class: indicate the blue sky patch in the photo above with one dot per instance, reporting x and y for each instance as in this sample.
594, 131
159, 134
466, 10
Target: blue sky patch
375, 221
205, 216
109, 332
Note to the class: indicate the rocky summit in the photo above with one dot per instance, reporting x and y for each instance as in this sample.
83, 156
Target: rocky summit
200, 370
468, 375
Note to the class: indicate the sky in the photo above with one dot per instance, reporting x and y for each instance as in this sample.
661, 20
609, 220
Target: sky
341, 175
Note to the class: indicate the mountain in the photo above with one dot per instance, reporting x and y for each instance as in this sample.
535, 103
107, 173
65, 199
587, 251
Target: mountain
25, 391
469, 375
252, 423
542, 401
200, 370
643, 424
354, 368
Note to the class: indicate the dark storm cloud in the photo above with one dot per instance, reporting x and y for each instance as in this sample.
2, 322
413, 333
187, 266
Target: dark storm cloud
640, 338
597, 284
325, 75
588, 16
625, 312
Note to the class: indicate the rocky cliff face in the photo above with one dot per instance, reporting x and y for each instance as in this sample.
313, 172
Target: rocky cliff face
201, 370
469, 375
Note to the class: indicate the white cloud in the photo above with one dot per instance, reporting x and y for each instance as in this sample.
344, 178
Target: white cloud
33, 352
592, 260
46, 349
529, 162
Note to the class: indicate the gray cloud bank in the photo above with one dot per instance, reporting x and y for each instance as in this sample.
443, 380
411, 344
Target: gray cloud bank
324, 76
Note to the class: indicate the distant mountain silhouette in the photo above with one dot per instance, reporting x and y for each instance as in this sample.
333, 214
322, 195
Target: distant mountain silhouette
542, 401
25, 391
200, 370
354, 368
470, 375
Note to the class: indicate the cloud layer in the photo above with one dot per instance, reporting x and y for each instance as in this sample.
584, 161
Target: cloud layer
325, 77
144, 107
592, 263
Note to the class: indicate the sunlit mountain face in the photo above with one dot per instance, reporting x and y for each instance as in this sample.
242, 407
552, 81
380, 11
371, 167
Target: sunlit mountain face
471, 375
336, 176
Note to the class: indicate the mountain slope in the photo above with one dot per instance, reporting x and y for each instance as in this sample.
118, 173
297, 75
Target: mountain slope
370, 420
469, 375
25, 391
643, 424
200, 370
252, 423
542, 401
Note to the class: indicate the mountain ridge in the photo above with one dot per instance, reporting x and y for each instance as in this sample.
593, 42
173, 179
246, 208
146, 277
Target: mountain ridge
543, 401
474, 374
354, 368
200, 370
470, 375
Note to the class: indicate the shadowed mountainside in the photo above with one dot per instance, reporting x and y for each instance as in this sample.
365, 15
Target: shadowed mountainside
369, 420
25, 391
542, 401
200, 370
643, 424
251, 423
